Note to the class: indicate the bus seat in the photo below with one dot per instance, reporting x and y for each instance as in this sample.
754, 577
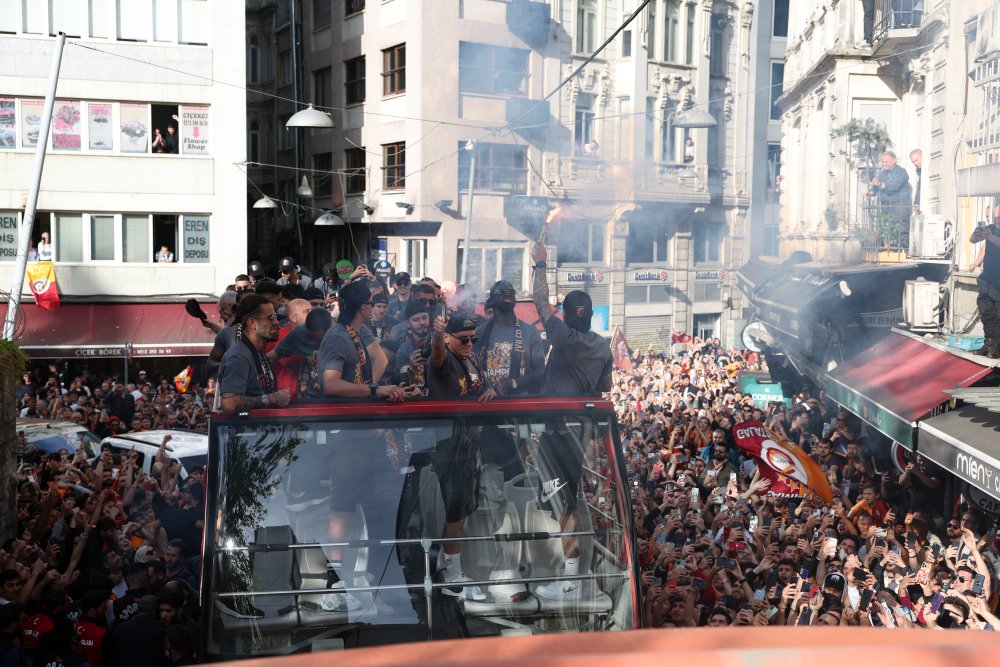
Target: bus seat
481, 559
520, 491
311, 564
431, 502
271, 571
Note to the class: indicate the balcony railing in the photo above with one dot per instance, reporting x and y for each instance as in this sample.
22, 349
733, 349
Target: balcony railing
896, 15
883, 227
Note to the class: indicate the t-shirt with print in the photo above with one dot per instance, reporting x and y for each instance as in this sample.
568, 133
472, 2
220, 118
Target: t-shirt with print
338, 352
299, 342
455, 377
238, 372
495, 354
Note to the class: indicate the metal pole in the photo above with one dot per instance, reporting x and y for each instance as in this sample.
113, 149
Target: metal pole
128, 350
468, 216
297, 88
20, 264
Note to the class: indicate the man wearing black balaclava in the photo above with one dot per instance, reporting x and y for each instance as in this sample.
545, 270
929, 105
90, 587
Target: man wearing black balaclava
509, 351
580, 363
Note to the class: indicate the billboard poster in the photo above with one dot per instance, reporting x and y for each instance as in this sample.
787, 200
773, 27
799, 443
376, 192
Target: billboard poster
101, 136
66, 130
31, 123
194, 130
134, 127
8, 123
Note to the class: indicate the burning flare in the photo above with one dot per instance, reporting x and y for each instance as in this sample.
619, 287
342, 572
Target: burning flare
553, 215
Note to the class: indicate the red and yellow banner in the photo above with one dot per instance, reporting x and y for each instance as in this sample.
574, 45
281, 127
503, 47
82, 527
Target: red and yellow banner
620, 353
42, 280
183, 380
792, 472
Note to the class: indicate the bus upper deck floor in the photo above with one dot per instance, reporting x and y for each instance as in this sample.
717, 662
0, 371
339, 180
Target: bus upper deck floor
376, 498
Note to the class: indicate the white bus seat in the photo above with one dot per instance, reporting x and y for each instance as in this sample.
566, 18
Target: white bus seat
481, 559
431, 502
312, 570
520, 491
545, 557
271, 571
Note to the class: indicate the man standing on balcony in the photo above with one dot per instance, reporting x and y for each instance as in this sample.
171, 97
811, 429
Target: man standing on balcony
989, 288
895, 198
868, 7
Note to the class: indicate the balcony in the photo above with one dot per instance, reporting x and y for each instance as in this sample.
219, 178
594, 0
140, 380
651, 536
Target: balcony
897, 24
622, 181
883, 230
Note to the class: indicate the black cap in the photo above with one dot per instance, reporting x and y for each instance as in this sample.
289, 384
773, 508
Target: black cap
836, 581
414, 307
457, 324
256, 270
502, 291
287, 264
380, 298
401, 278
356, 293
312, 294
330, 269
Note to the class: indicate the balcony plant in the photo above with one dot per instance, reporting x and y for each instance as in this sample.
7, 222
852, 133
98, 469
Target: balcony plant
867, 139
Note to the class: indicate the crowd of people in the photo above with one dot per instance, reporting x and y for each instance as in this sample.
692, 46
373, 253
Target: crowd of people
718, 550
104, 569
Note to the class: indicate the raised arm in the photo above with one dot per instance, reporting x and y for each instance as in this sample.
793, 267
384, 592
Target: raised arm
540, 285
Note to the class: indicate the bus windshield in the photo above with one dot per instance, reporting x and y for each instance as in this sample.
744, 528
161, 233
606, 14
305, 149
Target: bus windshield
300, 505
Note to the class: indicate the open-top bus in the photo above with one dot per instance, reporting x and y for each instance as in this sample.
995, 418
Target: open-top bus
277, 479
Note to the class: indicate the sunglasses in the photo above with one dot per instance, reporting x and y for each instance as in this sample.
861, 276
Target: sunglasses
403, 283
954, 525
273, 317
467, 340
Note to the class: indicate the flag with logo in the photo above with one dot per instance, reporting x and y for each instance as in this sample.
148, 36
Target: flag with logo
620, 353
42, 280
792, 472
183, 380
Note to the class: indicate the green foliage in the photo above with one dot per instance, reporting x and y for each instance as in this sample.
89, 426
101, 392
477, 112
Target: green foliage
868, 140
12, 358
830, 215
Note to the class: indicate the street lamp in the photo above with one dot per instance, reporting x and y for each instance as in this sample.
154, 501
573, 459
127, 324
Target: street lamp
329, 219
265, 202
310, 117
304, 190
469, 146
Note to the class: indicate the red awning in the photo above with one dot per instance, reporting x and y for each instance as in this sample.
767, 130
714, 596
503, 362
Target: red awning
95, 330
906, 376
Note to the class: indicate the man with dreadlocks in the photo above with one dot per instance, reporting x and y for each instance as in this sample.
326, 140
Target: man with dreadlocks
580, 363
246, 379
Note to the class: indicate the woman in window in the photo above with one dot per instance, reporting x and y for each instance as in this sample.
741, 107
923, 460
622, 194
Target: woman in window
44, 248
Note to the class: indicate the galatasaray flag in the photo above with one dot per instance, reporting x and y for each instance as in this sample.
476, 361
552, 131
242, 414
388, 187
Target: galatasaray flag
183, 380
42, 280
620, 353
792, 472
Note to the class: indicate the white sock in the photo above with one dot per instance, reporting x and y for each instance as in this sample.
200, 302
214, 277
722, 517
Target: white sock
453, 563
572, 566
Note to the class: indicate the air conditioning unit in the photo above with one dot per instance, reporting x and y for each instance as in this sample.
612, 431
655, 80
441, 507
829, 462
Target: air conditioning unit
930, 235
920, 298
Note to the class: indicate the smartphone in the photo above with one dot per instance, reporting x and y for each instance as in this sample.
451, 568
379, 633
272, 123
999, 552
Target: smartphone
817, 513
866, 599
727, 563
732, 477
804, 615
977, 584
771, 611
804, 574
881, 533
806, 587
895, 549
767, 522
911, 540
754, 522
832, 543
759, 595
695, 495
879, 542
796, 521
683, 458
699, 584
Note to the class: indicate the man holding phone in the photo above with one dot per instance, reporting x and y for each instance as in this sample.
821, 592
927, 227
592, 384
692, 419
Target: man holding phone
989, 285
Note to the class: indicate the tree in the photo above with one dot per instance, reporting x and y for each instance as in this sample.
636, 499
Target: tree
867, 138
12, 364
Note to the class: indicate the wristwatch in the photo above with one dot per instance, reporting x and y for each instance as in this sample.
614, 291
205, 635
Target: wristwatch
513, 384
540, 264
373, 387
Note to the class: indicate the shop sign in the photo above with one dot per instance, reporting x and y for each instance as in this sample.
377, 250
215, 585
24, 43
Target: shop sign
764, 394
650, 276
714, 274
975, 469
196, 239
194, 130
887, 423
8, 236
582, 276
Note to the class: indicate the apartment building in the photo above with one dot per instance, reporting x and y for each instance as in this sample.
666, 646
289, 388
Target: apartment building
109, 199
656, 204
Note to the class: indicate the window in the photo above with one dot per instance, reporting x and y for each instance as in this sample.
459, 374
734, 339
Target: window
639, 294
772, 238
253, 60
707, 291
287, 134
394, 70
322, 13
100, 18
253, 142
353, 6
499, 167
102, 237
285, 74
321, 87
394, 166
65, 16
780, 18
135, 20
706, 326
648, 243
586, 26
322, 178
707, 239
650, 128
716, 134
136, 244
68, 237
583, 123
627, 44
354, 80
773, 173
413, 257
354, 163
484, 68
488, 264
164, 21
689, 37
671, 33
193, 22
777, 87
584, 246
717, 55
165, 233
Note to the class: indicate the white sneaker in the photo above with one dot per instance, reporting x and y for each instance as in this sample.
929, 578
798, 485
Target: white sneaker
474, 593
339, 599
559, 590
863, 45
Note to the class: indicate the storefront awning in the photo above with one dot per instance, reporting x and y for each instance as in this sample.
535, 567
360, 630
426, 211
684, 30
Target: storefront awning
898, 381
100, 330
965, 442
755, 273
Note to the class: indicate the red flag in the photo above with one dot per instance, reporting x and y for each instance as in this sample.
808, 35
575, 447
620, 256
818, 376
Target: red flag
792, 472
621, 354
42, 280
183, 380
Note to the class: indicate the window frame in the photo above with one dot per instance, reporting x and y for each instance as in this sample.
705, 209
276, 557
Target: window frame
672, 32
595, 231
322, 10
351, 180
587, 26
394, 164
491, 173
492, 69
322, 79
706, 241
776, 89
394, 70
354, 85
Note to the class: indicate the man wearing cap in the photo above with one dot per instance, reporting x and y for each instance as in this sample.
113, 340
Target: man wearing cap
328, 283
381, 323
242, 283
256, 271
291, 274
453, 370
510, 352
580, 363
400, 296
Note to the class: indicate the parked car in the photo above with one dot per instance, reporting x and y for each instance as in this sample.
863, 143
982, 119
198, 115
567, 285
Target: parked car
50, 436
188, 447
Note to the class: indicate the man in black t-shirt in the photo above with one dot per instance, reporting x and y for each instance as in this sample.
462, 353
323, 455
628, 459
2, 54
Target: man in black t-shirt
989, 287
246, 379
453, 370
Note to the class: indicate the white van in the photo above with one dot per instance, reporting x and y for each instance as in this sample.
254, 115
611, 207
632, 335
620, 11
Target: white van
188, 447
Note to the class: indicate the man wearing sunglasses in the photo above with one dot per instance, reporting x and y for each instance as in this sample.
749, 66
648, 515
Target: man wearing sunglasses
246, 379
400, 296
453, 370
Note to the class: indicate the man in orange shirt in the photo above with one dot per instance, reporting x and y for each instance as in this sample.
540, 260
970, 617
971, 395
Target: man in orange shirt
286, 370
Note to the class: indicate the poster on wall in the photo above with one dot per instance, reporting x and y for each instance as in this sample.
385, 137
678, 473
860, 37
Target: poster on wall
196, 239
194, 130
101, 136
8, 123
66, 131
134, 128
31, 113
